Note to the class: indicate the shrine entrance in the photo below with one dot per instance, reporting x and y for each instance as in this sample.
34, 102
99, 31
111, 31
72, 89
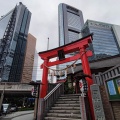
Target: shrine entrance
69, 86
72, 84
60, 52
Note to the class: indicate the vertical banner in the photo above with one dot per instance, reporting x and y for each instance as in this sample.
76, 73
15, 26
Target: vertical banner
97, 102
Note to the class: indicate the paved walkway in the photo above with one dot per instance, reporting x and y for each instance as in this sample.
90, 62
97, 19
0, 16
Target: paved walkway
24, 117
21, 115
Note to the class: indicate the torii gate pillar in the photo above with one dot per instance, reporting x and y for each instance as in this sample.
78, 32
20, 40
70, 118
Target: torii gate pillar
43, 91
86, 70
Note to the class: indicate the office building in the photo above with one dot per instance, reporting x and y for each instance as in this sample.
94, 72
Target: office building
13, 39
116, 29
70, 22
36, 67
29, 59
106, 40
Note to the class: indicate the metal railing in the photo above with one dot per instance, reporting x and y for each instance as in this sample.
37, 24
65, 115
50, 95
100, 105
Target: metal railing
100, 78
97, 79
51, 98
15, 87
51, 86
111, 73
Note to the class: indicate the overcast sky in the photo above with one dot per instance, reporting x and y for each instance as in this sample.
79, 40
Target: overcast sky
44, 20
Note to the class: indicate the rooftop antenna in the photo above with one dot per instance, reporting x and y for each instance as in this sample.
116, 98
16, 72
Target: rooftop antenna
48, 44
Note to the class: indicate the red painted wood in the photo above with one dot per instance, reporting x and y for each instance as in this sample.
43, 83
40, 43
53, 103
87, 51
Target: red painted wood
73, 58
44, 87
86, 70
72, 47
79, 45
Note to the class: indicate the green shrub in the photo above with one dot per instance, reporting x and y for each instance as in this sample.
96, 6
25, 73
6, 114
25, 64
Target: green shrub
25, 108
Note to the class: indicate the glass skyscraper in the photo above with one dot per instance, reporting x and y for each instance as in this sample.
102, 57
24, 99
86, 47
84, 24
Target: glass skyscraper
104, 42
70, 22
13, 38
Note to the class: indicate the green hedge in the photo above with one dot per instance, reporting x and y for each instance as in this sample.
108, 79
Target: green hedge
24, 109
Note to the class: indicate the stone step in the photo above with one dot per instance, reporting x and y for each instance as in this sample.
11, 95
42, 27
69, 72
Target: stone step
67, 102
63, 115
71, 95
65, 111
57, 118
67, 105
68, 99
65, 108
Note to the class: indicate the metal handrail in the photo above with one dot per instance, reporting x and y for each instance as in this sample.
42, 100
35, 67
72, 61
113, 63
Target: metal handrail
51, 86
51, 98
52, 91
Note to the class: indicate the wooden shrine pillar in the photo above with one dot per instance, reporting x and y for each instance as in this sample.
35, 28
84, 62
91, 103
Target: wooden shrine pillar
86, 70
44, 87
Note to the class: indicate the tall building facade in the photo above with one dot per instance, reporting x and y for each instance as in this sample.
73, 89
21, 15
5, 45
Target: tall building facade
36, 67
29, 59
116, 29
13, 39
105, 40
70, 22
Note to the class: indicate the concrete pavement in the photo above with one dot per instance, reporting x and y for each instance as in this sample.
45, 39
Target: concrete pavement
21, 115
24, 117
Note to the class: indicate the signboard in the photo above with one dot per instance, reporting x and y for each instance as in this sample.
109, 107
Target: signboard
113, 87
34, 91
97, 102
118, 85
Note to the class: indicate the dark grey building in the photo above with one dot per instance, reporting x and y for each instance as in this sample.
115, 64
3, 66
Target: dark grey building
70, 23
13, 38
105, 39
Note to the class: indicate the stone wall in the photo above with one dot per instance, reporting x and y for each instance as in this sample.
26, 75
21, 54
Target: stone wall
116, 109
106, 104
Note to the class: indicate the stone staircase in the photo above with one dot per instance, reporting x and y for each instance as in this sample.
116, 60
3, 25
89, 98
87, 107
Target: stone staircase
66, 108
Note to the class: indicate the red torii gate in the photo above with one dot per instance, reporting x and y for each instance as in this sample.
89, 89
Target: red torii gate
79, 45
